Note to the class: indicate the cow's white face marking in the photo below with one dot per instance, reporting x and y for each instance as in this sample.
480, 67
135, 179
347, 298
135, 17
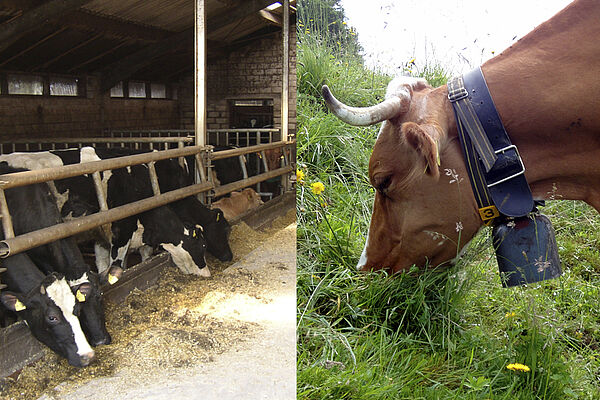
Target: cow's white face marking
60, 198
136, 238
82, 279
186, 232
88, 154
146, 252
128, 169
102, 257
121, 253
183, 260
60, 293
363, 256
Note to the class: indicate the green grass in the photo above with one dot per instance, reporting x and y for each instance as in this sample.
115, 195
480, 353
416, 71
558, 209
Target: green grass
437, 334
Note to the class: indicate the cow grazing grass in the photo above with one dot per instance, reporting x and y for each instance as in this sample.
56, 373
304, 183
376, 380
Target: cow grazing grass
435, 334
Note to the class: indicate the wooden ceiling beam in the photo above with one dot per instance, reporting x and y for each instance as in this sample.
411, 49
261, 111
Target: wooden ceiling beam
113, 27
33, 46
271, 18
97, 56
126, 67
33, 18
243, 10
67, 52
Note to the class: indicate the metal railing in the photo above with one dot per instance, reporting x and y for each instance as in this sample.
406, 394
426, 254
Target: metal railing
217, 137
203, 155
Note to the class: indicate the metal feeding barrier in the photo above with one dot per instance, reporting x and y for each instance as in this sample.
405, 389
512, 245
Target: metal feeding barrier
202, 155
244, 137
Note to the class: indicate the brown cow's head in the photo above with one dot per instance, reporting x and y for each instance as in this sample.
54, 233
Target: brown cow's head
424, 209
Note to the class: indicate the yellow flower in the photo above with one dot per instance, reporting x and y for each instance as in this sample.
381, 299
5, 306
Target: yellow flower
317, 187
510, 315
518, 367
299, 176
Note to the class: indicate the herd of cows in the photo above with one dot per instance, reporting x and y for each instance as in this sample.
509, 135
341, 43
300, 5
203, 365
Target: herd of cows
54, 290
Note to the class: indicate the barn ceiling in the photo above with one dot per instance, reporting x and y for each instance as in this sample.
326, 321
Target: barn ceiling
122, 39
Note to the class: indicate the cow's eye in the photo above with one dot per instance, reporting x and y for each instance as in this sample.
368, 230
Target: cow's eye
53, 319
382, 183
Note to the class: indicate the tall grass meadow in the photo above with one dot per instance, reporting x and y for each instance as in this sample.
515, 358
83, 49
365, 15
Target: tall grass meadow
441, 333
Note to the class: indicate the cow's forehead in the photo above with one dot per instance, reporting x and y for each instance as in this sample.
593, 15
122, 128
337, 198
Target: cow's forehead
399, 86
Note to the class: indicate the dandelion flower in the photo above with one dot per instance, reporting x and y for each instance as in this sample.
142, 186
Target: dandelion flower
518, 367
299, 176
318, 188
510, 315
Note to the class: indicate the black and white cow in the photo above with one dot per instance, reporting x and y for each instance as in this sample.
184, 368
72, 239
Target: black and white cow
33, 207
159, 227
192, 213
48, 306
172, 176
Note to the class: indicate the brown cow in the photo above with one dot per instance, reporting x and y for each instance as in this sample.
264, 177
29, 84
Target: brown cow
238, 203
546, 88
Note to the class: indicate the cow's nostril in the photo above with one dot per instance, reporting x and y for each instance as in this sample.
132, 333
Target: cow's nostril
105, 340
87, 358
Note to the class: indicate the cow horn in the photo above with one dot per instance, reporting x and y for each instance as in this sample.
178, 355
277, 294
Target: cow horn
363, 116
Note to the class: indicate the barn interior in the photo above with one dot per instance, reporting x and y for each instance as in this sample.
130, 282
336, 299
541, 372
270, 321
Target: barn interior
173, 76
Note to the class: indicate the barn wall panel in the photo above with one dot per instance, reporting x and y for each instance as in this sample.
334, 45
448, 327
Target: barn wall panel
253, 71
37, 117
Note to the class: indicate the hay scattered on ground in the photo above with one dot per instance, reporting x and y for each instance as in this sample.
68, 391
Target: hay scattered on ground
163, 327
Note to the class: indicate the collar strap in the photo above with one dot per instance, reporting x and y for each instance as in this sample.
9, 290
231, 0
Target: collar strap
495, 168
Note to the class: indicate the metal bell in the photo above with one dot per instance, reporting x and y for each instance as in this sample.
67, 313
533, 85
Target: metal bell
526, 250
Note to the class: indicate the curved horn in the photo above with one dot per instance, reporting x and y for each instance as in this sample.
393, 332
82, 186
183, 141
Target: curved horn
363, 116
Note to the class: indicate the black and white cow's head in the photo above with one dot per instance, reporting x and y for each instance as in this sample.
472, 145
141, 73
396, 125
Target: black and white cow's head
51, 312
188, 250
88, 294
217, 231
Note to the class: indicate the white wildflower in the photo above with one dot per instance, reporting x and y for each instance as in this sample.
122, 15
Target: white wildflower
453, 174
541, 265
459, 226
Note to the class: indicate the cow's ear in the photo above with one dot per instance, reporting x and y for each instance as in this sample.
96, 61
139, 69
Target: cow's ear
424, 139
12, 301
82, 291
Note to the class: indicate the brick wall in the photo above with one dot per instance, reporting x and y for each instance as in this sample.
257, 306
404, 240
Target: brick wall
32, 117
252, 72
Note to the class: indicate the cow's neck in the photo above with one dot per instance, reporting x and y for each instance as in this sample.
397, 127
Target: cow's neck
546, 88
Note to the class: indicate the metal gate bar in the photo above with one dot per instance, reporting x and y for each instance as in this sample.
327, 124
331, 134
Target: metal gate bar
42, 236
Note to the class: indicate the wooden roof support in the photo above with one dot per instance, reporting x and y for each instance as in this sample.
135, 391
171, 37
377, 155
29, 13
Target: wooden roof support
33, 46
285, 89
271, 18
200, 76
243, 10
31, 19
127, 66
97, 56
123, 69
72, 49
113, 27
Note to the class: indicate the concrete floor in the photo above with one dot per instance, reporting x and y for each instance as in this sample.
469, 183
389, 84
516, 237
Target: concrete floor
261, 367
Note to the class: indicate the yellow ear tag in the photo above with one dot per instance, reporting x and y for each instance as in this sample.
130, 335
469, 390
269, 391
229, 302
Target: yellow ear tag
80, 296
112, 279
19, 306
193, 233
218, 215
